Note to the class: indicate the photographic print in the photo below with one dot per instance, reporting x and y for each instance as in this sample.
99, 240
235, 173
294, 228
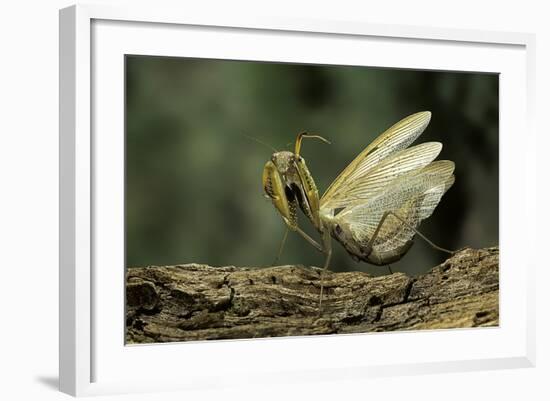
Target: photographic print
267, 199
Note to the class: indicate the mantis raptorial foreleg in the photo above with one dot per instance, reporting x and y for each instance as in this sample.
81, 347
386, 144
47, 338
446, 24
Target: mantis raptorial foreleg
383, 219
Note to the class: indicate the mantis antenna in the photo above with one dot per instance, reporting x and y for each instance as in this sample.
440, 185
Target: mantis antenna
260, 142
301, 135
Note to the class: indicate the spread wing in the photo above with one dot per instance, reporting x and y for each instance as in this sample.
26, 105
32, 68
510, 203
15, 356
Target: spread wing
412, 196
397, 137
378, 177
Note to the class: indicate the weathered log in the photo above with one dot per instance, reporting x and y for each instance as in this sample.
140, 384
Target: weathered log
199, 302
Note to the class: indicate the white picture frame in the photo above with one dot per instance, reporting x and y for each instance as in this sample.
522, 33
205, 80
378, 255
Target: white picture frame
93, 358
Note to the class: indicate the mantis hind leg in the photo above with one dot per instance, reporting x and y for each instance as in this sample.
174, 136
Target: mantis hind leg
383, 219
421, 235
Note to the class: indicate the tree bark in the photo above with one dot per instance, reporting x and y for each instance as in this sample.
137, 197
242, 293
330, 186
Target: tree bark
200, 302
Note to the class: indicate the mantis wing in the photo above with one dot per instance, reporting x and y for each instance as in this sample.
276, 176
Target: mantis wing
378, 177
397, 137
412, 196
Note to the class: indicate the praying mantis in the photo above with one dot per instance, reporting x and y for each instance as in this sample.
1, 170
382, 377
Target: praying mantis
375, 205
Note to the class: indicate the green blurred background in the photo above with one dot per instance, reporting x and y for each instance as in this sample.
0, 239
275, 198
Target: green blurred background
193, 180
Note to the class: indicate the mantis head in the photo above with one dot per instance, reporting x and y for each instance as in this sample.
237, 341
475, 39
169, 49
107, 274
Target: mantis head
288, 183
